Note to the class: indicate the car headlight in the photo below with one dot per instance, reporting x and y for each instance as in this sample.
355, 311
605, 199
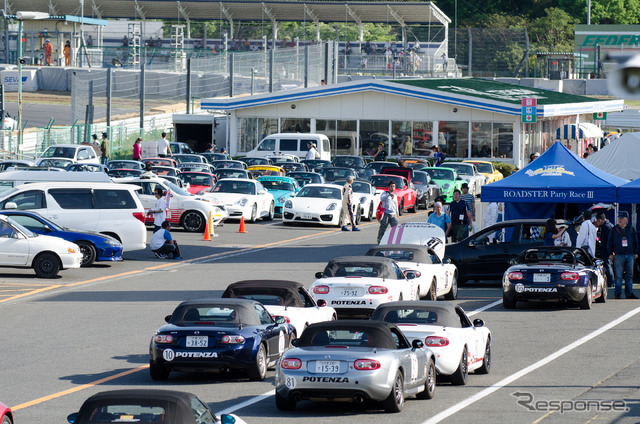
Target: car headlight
420, 192
288, 204
446, 186
281, 199
332, 207
242, 201
112, 242
363, 200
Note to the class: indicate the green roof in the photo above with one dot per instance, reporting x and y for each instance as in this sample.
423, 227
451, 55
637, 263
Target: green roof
494, 90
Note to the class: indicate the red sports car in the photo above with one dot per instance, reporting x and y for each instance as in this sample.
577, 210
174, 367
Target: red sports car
198, 181
407, 196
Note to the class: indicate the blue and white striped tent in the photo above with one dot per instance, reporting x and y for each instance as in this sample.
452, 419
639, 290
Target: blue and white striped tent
578, 131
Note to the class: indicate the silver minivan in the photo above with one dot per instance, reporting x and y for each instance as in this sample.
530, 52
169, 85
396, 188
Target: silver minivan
292, 144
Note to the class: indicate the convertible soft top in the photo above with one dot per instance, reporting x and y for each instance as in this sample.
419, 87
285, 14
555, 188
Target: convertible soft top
288, 291
368, 333
383, 266
243, 311
444, 314
402, 253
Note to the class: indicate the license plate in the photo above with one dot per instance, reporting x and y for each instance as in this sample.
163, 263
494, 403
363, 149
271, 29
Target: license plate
541, 278
327, 367
305, 216
350, 293
197, 341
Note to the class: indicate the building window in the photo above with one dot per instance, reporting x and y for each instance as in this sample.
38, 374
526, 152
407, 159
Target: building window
481, 140
401, 136
295, 125
422, 136
456, 138
343, 135
372, 133
502, 140
247, 134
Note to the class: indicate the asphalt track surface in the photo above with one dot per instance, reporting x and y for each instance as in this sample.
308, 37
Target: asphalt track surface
65, 339
38, 115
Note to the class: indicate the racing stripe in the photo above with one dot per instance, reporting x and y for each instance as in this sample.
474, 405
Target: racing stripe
391, 234
400, 231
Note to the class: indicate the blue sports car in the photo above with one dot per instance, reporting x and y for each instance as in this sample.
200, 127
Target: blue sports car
282, 189
219, 335
563, 274
94, 246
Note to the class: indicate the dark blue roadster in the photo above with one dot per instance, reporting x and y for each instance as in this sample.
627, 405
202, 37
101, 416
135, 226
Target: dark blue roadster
564, 274
219, 335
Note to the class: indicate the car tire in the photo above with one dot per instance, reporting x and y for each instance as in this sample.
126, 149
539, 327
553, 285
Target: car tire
401, 208
395, 401
453, 293
6, 420
433, 294
358, 217
486, 362
158, 373
415, 206
585, 302
258, 370
371, 212
254, 213
89, 253
46, 265
603, 296
272, 212
430, 384
193, 222
285, 403
508, 303
459, 377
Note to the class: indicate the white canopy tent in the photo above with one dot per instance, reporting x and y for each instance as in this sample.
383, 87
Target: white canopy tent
620, 158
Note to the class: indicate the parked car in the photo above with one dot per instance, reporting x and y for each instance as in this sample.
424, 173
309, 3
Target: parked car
219, 164
266, 170
487, 169
305, 178
77, 153
198, 182
426, 189
61, 163
315, 204
378, 166
406, 194
470, 174
6, 415
332, 173
447, 179
232, 173
292, 166
366, 195
87, 167
255, 161
161, 162
215, 156
16, 164
316, 164
282, 189
125, 164
246, 199
348, 162
178, 148
189, 158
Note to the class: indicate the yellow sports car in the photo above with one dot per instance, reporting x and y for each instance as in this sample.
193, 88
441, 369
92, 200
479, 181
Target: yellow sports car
487, 169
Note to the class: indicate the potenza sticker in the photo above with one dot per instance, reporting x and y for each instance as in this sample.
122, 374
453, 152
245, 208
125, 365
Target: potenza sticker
348, 302
170, 355
325, 379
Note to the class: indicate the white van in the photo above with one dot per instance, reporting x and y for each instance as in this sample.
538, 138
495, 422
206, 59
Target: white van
106, 208
292, 144
11, 179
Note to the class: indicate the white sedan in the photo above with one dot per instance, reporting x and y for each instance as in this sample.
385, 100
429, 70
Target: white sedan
460, 345
287, 299
314, 203
47, 255
356, 285
244, 198
420, 247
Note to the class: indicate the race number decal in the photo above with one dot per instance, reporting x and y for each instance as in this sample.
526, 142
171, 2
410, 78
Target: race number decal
414, 367
168, 355
434, 243
281, 342
290, 382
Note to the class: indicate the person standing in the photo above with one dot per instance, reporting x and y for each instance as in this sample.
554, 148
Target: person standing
490, 215
439, 218
162, 244
347, 206
470, 200
389, 201
444, 61
105, 146
164, 148
67, 53
460, 217
159, 210
311, 154
407, 149
381, 153
605, 227
623, 248
137, 149
554, 236
48, 50
587, 235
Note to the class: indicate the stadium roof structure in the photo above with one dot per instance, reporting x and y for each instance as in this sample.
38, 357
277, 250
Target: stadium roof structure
403, 13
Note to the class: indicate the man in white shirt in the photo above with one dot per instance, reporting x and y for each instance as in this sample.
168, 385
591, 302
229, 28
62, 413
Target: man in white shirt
587, 235
159, 210
311, 153
389, 201
164, 148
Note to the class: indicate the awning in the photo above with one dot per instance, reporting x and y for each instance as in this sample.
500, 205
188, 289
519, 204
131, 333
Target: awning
578, 131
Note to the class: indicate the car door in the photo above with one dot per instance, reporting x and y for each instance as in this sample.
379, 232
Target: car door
413, 362
488, 252
273, 335
14, 247
471, 335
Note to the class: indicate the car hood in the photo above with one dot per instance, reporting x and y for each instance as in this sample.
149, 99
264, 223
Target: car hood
53, 243
313, 202
278, 193
82, 234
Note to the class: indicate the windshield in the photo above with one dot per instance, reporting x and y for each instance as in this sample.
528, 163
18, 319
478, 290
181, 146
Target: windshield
462, 169
383, 180
419, 178
182, 159
360, 187
59, 152
175, 189
321, 192
439, 174
235, 187
229, 173
485, 168
277, 185
5, 186
197, 179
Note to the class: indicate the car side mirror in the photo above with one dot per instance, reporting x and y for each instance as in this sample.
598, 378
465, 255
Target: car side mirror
227, 419
410, 275
72, 417
472, 243
321, 303
478, 322
318, 275
446, 261
280, 320
10, 205
417, 344
167, 318
294, 342
46, 228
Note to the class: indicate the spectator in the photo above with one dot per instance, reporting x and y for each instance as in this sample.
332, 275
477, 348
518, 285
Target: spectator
159, 210
389, 201
137, 149
163, 245
105, 146
347, 206
623, 248
587, 235
380, 154
125, 42
89, 41
67, 53
554, 236
439, 218
460, 216
164, 147
470, 200
605, 227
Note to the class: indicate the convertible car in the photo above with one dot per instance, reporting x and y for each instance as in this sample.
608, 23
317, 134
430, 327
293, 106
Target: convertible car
316, 204
561, 274
355, 360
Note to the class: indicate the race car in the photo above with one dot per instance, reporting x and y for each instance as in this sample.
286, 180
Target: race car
459, 345
282, 189
487, 169
355, 360
356, 285
287, 299
561, 274
246, 199
219, 334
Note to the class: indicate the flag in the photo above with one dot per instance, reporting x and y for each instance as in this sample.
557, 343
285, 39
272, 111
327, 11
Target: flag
167, 203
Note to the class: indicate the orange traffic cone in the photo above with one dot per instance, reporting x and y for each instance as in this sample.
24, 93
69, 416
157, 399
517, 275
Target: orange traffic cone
207, 235
241, 229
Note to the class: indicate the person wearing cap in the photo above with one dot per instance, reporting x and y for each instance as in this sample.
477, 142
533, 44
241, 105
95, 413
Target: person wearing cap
48, 49
623, 248
534, 156
470, 200
347, 206
381, 153
439, 218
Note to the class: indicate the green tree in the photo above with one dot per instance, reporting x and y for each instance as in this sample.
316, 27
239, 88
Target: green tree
556, 29
615, 12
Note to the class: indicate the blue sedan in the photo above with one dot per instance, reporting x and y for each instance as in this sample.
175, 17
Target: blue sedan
94, 246
282, 189
219, 335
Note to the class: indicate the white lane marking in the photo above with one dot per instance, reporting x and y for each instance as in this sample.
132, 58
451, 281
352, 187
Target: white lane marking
246, 403
513, 377
484, 308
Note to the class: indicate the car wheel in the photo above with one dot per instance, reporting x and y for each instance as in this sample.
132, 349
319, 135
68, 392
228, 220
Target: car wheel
585, 303
254, 213
486, 362
508, 303
272, 212
459, 377
285, 403
430, 384
258, 370
89, 253
453, 293
395, 401
415, 205
401, 208
46, 265
603, 296
158, 372
193, 221
358, 217
6, 420
433, 295
371, 211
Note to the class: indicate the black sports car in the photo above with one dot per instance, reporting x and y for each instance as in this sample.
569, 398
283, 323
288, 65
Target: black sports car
562, 274
487, 254
426, 188
147, 406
